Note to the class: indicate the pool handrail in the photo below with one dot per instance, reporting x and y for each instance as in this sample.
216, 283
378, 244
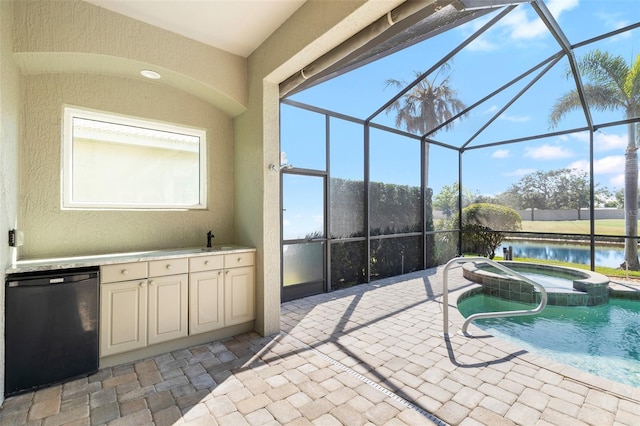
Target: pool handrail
471, 318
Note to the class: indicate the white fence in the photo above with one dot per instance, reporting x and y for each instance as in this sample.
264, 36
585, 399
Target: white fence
542, 215
585, 214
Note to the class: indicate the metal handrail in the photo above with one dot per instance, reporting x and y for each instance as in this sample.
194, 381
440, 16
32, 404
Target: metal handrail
445, 295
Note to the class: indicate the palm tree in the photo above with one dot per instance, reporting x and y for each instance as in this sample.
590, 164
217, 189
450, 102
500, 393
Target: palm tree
427, 105
613, 85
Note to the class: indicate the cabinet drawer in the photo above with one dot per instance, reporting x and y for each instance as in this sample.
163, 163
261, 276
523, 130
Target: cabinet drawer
158, 268
205, 263
123, 272
238, 259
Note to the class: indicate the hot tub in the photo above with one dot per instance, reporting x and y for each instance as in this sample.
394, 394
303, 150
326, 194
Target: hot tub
565, 286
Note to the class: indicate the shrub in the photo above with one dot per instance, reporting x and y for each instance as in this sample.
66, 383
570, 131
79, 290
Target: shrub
482, 224
492, 216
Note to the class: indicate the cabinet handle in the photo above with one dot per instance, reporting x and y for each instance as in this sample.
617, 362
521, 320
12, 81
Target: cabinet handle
151, 282
168, 266
227, 272
206, 262
142, 284
219, 272
125, 272
239, 259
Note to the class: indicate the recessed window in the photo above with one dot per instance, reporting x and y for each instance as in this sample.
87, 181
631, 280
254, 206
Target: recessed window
117, 162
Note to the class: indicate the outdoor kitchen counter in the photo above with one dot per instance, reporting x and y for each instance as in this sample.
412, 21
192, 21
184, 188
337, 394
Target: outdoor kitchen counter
34, 265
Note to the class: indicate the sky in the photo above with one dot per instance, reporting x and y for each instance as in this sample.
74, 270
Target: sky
518, 42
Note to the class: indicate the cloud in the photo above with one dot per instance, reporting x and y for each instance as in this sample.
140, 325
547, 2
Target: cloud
580, 165
601, 141
580, 136
520, 172
514, 118
520, 25
613, 21
617, 181
490, 110
547, 152
613, 164
523, 28
558, 7
606, 142
482, 44
501, 153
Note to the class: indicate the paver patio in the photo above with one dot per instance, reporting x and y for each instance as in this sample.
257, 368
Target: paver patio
371, 354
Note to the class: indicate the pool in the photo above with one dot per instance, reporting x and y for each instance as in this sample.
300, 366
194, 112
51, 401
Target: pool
603, 340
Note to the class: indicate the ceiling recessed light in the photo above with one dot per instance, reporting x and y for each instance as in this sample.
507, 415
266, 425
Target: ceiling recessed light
150, 74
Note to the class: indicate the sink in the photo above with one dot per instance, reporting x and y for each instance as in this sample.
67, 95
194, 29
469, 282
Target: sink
216, 248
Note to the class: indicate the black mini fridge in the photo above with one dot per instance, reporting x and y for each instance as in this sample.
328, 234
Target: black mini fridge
51, 327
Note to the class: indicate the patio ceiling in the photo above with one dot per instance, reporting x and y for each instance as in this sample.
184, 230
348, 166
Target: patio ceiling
238, 27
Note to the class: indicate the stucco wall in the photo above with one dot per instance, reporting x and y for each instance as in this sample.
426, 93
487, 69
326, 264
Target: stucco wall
50, 231
9, 136
77, 53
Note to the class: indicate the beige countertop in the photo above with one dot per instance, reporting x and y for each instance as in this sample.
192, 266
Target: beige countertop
35, 265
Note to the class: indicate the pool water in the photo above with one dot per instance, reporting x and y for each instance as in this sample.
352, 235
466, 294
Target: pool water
550, 282
602, 340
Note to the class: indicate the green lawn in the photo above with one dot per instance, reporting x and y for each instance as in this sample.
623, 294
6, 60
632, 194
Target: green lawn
602, 226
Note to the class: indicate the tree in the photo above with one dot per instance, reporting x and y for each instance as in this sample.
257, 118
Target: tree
447, 199
613, 85
617, 201
573, 191
427, 105
554, 189
533, 191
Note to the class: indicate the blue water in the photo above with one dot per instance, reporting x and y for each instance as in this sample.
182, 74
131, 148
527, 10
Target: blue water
549, 282
602, 340
609, 256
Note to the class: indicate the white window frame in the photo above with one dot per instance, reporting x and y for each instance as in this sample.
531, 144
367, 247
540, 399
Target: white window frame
68, 203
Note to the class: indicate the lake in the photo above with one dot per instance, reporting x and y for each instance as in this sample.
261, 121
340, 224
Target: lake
610, 256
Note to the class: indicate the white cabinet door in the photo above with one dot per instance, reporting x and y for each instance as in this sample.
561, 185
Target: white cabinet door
206, 301
239, 295
167, 308
123, 316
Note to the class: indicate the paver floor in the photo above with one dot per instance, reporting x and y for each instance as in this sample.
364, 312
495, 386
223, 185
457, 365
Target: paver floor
371, 354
